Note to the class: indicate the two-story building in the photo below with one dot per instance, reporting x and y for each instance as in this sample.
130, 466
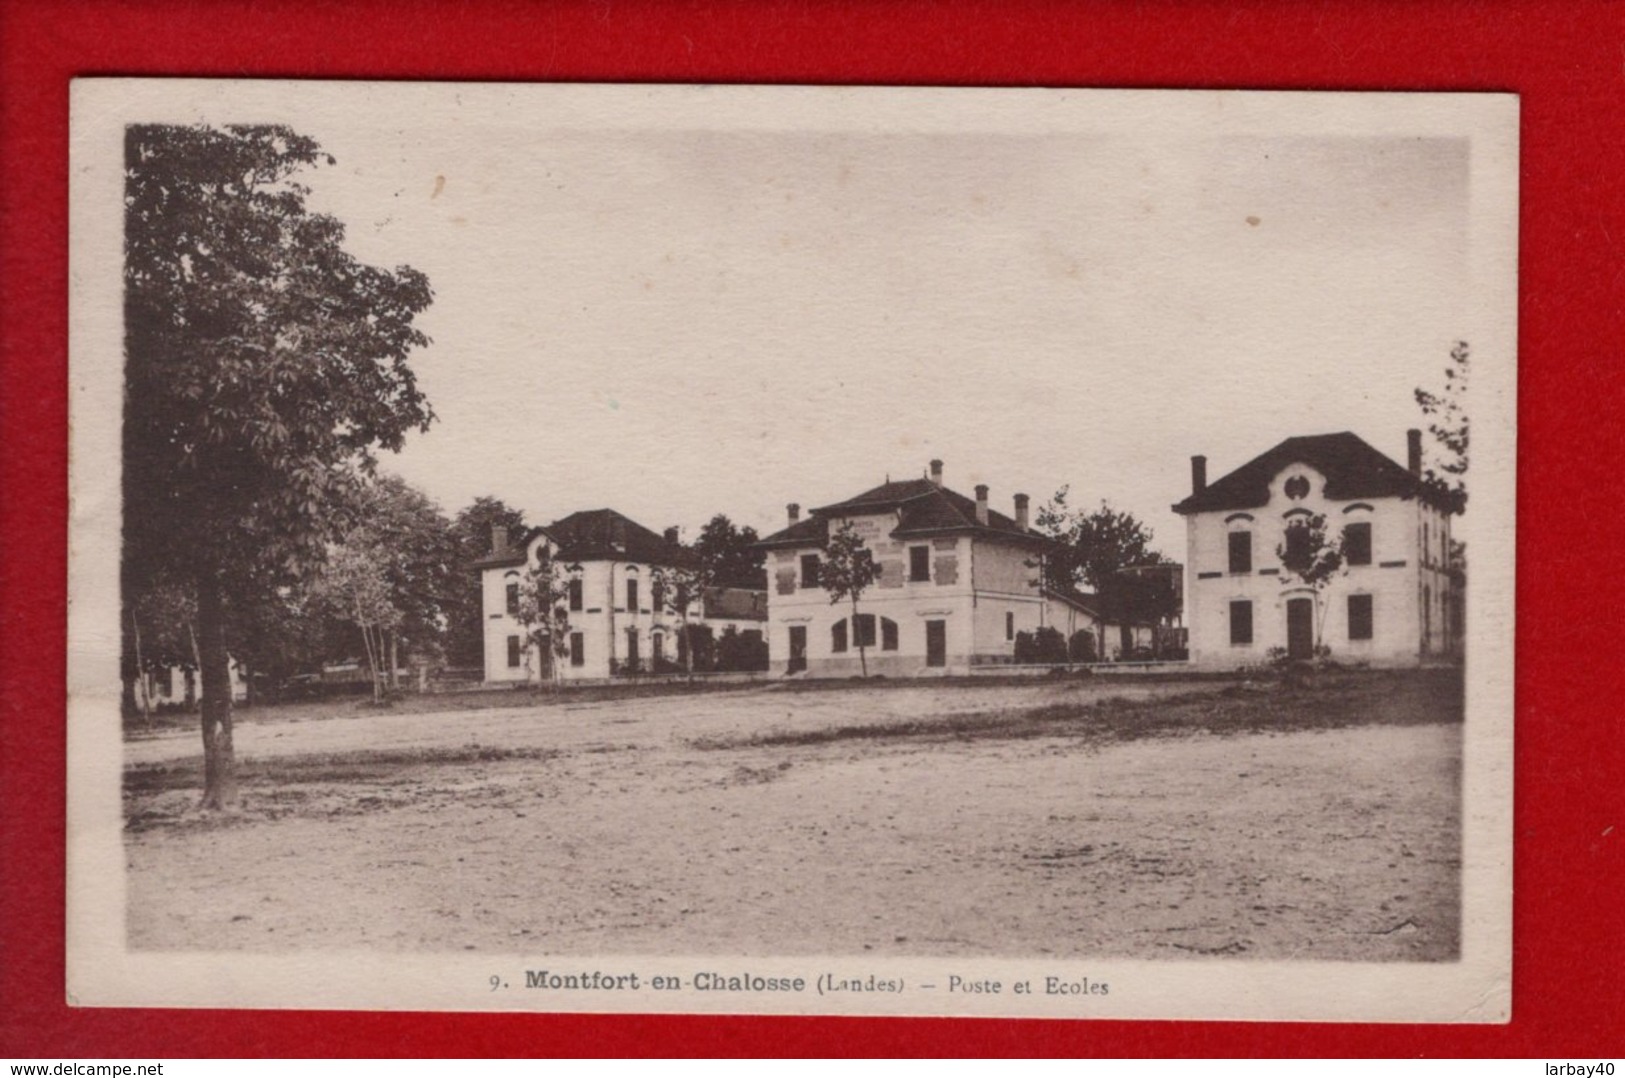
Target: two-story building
619, 621
957, 582
1393, 600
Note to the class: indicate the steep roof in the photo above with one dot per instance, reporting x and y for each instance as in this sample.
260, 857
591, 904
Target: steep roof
1353, 469
923, 509
595, 534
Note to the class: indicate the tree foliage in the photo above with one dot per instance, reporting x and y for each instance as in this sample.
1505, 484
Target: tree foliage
847, 571
731, 553
471, 538
544, 613
1446, 412
264, 367
680, 590
1091, 547
1314, 558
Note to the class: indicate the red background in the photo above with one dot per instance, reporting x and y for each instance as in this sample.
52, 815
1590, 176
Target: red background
1566, 60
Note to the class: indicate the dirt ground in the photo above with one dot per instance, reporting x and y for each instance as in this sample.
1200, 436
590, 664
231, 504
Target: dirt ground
1069, 818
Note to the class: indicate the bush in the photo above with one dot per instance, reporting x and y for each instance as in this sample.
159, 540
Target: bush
1047, 645
1081, 648
741, 652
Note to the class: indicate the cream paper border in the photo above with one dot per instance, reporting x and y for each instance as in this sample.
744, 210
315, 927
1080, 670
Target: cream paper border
102, 972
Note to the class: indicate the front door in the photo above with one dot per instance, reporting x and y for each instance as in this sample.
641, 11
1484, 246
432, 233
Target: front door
936, 643
798, 649
1300, 628
631, 651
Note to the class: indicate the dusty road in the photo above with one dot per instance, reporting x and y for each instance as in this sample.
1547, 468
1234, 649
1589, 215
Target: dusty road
1042, 819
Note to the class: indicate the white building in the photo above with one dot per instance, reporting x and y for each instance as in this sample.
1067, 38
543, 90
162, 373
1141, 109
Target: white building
958, 581
1394, 602
617, 621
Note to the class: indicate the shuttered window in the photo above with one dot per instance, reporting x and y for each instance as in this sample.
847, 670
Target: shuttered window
513, 651
575, 593
1241, 552
513, 598
809, 570
837, 636
1360, 617
888, 634
1357, 544
1241, 622
919, 563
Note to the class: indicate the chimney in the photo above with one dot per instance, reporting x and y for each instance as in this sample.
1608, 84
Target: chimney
981, 503
671, 536
936, 472
1413, 444
1198, 474
794, 512
1021, 511
499, 538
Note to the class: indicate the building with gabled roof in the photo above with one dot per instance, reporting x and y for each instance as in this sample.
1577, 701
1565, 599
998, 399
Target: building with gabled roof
958, 581
1397, 598
618, 621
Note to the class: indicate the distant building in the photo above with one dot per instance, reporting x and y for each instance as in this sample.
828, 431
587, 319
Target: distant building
618, 624
958, 582
1397, 600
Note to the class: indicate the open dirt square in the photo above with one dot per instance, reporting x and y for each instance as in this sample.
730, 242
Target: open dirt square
1093, 817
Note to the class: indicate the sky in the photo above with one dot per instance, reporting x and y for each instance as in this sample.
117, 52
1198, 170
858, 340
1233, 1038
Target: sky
712, 314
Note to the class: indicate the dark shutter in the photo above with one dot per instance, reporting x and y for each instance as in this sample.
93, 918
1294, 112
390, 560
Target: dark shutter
866, 630
1241, 552
1241, 622
837, 636
513, 598
888, 634
1360, 617
919, 563
513, 651
809, 570
578, 650
632, 595
575, 593
1357, 544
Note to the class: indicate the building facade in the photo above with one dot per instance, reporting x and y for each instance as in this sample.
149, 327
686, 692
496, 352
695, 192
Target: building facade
1394, 601
958, 581
619, 623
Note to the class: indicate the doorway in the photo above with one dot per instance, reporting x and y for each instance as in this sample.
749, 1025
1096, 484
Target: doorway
936, 643
798, 649
1300, 628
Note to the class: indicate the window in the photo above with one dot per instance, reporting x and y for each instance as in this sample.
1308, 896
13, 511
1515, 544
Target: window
1241, 552
1241, 622
1297, 544
919, 563
866, 631
632, 594
657, 647
888, 634
575, 593
1009, 626
1360, 621
513, 598
809, 570
657, 595
578, 650
837, 636
513, 651
1357, 544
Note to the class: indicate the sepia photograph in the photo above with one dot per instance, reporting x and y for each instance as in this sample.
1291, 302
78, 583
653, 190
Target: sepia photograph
837, 550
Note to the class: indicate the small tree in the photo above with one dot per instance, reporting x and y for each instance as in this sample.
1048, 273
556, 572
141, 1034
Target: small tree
679, 588
1091, 547
849, 569
544, 613
1447, 415
354, 588
1308, 554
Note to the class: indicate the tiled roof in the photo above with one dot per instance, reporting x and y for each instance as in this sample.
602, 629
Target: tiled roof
1353, 469
595, 534
923, 508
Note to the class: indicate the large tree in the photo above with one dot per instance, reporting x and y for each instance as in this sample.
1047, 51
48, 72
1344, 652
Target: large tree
732, 554
264, 365
465, 617
1091, 547
848, 570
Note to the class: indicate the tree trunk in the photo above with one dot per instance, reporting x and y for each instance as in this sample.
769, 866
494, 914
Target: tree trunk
394, 661
141, 673
857, 635
219, 761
